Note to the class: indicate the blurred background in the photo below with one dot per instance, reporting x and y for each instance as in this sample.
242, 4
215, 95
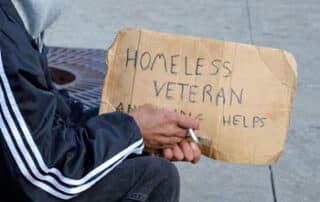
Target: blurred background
292, 25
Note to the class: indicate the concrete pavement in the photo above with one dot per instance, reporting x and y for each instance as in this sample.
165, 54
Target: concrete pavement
288, 24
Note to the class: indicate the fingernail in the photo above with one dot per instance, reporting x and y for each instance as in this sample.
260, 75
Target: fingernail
194, 146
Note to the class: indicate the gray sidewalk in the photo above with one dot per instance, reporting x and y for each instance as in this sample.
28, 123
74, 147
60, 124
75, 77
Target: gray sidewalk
288, 24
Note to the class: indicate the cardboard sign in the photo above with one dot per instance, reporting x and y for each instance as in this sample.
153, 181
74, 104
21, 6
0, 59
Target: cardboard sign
242, 94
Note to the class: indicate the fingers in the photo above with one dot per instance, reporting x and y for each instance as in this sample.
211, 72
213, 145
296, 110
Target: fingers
171, 141
184, 151
187, 122
181, 120
178, 154
164, 142
176, 131
187, 151
196, 152
167, 153
162, 128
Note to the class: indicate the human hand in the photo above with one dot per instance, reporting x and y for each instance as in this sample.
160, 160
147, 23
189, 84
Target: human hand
161, 128
183, 151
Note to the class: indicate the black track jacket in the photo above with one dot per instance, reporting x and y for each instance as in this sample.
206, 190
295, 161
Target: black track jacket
44, 154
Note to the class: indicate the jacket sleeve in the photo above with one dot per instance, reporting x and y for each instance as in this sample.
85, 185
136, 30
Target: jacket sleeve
54, 154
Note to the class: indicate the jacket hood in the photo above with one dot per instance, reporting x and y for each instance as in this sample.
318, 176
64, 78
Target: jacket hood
38, 15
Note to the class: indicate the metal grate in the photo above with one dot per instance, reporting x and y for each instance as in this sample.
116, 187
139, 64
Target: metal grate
89, 68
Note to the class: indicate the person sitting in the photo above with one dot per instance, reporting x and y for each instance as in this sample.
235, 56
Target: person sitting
50, 154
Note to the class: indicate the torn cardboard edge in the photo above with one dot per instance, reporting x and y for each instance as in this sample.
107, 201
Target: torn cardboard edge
253, 84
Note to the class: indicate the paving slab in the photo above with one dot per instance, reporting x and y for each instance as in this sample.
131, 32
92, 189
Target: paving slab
295, 26
95, 24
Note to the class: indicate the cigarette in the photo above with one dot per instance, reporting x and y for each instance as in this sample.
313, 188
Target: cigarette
193, 136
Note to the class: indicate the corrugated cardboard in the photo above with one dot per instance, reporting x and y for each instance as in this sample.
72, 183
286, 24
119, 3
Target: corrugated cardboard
242, 94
